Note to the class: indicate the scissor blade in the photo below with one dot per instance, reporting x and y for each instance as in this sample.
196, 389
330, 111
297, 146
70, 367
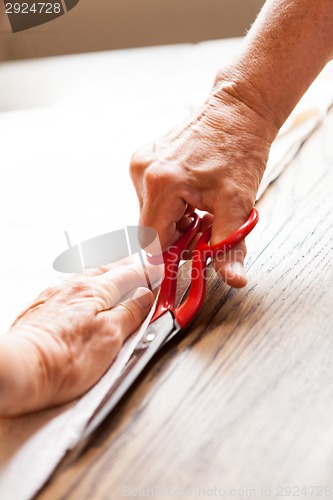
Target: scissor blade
152, 340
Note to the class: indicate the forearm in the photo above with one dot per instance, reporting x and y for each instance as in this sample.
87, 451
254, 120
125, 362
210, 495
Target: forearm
286, 48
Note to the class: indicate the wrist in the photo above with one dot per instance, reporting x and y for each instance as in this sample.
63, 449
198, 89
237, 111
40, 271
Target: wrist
233, 87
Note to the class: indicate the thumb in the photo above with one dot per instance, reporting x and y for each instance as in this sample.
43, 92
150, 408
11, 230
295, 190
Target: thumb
128, 316
230, 265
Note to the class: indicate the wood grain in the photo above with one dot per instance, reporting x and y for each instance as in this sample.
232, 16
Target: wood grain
243, 399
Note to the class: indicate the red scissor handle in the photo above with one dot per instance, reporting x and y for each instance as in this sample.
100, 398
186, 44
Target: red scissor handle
201, 253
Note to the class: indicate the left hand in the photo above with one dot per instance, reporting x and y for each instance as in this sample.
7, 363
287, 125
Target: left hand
66, 339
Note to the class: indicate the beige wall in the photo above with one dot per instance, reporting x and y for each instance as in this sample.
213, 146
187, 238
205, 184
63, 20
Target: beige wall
110, 24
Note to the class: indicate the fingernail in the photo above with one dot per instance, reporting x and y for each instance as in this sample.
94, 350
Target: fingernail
145, 300
236, 269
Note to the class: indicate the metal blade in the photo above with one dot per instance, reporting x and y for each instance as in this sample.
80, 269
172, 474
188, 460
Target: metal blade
153, 338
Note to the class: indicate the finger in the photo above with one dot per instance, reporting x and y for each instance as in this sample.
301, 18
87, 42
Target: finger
167, 194
189, 210
128, 317
163, 216
112, 287
97, 271
230, 265
184, 223
139, 162
206, 221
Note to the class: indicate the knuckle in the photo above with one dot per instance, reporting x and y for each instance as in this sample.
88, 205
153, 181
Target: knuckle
152, 176
135, 166
81, 287
158, 177
139, 160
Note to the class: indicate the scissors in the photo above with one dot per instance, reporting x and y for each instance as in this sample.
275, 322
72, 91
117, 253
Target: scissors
168, 319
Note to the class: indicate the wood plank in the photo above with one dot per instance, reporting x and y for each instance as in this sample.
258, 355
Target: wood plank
245, 398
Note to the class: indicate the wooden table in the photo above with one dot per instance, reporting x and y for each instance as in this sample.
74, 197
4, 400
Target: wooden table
241, 405
243, 400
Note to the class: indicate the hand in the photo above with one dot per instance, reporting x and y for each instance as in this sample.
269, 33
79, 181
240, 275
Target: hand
63, 343
213, 163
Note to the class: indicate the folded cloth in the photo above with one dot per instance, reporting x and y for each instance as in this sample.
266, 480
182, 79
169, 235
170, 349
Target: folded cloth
46, 436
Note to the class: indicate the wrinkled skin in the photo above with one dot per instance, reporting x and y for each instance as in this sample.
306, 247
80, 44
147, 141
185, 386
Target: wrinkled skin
214, 162
66, 339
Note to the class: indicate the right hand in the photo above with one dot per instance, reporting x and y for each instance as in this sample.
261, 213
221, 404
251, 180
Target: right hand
214, 163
